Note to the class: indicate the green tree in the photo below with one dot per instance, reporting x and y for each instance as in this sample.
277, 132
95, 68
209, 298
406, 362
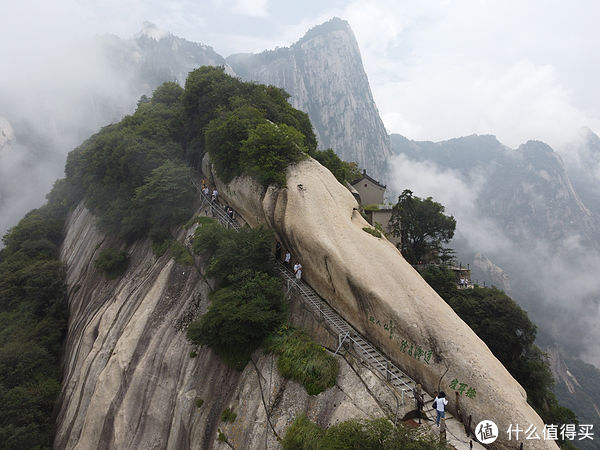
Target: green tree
164, 200
224, 136
240, 316
168, 93
269, 150
112, 262
506, 329
345, 172
422, 226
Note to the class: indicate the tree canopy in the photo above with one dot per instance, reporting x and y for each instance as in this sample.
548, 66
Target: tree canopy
422, 226
345, 172
33, 321
506, 329
247, 304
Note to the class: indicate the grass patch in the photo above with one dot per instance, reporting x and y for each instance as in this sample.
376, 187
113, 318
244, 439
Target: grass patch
181, 254
228, 416
201, 220
363, 434
160, 247
302, 434
112, 262
372, 231
193, 354
301, 359
371, 207
161, 241
199, 402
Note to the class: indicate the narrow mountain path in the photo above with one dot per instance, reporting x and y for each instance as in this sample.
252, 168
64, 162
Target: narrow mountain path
354, 342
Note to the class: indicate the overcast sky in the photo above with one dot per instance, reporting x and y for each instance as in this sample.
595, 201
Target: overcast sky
438, 69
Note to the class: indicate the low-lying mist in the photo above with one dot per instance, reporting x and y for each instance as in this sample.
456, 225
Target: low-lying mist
555, 281
53, 98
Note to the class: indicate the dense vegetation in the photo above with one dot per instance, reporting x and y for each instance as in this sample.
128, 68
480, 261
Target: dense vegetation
509, 334
135, 177
133, 174
247, 307
345, 172
247, 303
242, 111
423, 228
112, 262
33, 319
376, 434
301, 359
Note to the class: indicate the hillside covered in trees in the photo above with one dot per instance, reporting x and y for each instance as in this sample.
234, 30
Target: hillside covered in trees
135, 176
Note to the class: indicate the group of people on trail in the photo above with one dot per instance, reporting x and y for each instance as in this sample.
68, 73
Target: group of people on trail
287, 260
214, 198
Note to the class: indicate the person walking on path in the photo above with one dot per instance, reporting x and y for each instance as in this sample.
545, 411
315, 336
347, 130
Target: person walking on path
440, 403
298, 271
288, 258
278, 251
214, 195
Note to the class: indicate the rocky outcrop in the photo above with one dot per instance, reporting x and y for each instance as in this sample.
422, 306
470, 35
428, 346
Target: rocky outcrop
367, 281
7, 134
324, 75
491, 271
131, 381
154, 56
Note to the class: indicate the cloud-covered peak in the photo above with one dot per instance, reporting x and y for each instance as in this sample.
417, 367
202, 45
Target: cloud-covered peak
7, 133
152, 31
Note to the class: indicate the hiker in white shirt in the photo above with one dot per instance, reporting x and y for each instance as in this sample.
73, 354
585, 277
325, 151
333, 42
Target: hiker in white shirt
440, 403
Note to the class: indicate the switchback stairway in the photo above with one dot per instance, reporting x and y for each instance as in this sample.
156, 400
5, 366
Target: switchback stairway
353, 341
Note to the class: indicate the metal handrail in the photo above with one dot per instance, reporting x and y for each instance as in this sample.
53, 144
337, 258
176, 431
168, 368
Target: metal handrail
368, 353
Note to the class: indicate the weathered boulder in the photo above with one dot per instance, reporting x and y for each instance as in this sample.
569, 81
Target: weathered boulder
129, 378
368, 281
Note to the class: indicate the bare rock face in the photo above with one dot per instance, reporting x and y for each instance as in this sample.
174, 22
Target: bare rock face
7, 134
495, 273
131, 381
367, 281
324, 75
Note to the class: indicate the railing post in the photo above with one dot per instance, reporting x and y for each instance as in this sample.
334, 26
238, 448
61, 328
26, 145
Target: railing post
388, 374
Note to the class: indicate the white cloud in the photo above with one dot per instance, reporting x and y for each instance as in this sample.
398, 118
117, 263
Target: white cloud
252, 8
520, 70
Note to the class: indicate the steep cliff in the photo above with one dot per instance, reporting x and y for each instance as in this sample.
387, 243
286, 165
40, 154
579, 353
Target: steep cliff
324, 75
374, 288
130, 378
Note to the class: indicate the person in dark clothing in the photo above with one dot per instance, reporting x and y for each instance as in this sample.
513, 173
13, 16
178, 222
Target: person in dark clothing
278, 251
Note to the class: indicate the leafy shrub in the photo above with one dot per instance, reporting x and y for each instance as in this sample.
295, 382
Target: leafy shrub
240, 316
228, 416
301, 359
248, 303
232, 252
33, 321
345, 172
375, 434
199, 403
112, 262
302, 434
506, 329
181, 254
224, 136
269, 150
372, 231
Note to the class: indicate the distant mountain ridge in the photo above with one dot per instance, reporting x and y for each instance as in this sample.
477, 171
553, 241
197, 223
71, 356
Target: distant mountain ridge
539, 237
324, 75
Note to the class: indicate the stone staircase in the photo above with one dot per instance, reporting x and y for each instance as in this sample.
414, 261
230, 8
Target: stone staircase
355, 342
